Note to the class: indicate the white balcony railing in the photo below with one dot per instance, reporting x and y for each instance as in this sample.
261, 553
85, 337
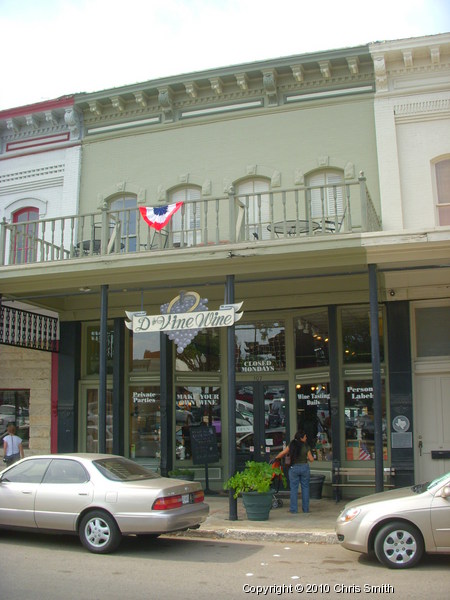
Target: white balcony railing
260, 217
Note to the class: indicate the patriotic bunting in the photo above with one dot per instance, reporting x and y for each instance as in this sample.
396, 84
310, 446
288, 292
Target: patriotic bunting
158, 216
364, 454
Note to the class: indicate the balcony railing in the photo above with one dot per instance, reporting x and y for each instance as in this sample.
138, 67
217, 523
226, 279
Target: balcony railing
261, 217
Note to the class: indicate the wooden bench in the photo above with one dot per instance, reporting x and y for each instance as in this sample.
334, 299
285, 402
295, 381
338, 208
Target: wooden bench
367, 475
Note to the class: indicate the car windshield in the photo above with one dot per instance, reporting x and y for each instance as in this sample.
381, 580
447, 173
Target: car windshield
437, 481
429, 485
122, 469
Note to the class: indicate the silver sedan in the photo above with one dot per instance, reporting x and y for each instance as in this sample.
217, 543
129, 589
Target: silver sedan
399, 525
100, 497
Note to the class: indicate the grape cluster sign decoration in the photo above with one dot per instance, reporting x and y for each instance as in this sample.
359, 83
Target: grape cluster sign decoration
183, 317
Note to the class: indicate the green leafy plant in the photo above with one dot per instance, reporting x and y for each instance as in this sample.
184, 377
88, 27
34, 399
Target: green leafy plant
256, 477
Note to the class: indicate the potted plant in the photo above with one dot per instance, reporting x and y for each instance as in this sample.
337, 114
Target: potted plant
186, 474
254, 484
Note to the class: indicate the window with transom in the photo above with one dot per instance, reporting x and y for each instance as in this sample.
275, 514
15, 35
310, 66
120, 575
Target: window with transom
25, 234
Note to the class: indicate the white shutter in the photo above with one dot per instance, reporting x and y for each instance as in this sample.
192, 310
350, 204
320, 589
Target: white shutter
257, 208
188, 217
327, 202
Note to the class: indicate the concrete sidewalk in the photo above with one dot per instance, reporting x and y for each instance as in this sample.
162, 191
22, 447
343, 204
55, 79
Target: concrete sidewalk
315, 527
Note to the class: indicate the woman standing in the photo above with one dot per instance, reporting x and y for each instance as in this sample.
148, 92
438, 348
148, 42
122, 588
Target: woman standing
12, 446
299, 473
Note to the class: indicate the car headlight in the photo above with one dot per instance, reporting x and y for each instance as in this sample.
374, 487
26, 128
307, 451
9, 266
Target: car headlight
349, 514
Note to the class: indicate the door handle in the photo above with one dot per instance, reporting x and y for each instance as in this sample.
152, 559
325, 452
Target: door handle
420, 447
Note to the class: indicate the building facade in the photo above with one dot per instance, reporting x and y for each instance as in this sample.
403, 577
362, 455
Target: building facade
300, 194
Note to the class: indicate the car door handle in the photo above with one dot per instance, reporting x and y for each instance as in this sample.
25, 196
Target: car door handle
82, 493
27, 492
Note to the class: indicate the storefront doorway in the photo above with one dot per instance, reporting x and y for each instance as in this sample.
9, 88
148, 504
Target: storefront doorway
261, 420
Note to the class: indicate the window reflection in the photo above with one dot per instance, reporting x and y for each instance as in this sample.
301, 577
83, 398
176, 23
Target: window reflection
145, 422
359, 423
15, 408
145, 351
202, 354
260, 347
314, 417
356, 337
92, 421
93, 350
194, 406
311, 340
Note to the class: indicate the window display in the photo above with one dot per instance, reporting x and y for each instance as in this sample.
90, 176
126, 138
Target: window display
311, 340
194, 406
359, 423
356, 340
145, 422
314, 418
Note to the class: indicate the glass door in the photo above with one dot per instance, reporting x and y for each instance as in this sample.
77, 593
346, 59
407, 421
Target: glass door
89, 433
261, 420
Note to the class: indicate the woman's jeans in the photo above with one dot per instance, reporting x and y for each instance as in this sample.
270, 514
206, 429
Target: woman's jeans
299, 474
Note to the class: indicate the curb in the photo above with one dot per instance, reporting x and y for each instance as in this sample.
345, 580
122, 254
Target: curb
311, 537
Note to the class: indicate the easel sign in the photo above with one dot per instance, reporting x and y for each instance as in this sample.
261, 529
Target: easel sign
204, 448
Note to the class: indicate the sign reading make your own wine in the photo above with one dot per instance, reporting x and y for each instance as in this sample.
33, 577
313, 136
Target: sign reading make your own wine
183, 317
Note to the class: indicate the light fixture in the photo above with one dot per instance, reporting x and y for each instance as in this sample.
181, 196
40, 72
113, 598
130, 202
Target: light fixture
85, 289
391, 292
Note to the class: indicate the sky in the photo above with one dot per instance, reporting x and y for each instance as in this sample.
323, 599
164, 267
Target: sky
52, 48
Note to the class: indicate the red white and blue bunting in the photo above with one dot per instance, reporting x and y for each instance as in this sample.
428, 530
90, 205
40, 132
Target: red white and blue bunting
158, 216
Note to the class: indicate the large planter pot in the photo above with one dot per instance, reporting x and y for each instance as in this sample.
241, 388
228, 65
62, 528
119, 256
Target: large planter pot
257, 505
315, 486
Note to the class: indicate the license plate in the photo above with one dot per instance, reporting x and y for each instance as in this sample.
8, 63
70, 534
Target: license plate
185, 498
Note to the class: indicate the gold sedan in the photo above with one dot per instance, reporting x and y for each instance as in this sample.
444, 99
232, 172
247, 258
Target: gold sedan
399, 525
100, 497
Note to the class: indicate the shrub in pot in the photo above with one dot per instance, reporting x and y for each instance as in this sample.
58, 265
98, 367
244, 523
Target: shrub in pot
185, 474
254, 484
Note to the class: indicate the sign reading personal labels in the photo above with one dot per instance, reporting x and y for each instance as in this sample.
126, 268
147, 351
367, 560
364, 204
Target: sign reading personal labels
226, 316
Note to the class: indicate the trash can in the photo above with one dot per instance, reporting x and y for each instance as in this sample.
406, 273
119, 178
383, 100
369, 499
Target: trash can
315, 486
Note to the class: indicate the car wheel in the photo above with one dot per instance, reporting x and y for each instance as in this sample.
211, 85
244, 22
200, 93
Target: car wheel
99, 532
399, 545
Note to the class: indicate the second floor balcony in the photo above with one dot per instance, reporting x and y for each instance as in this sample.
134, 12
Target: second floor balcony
258, 218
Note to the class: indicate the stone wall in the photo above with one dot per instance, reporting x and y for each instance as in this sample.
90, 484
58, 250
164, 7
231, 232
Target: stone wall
30, 369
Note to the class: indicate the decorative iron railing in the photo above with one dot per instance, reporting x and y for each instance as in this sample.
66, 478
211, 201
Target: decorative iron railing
299, 213
28, 330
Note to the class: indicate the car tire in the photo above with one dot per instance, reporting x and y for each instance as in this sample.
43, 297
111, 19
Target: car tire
99, 532
399, 545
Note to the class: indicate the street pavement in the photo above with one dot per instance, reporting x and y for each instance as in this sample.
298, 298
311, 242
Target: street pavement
317, 526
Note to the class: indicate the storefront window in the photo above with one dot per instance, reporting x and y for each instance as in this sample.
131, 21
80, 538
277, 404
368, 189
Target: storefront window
93, 350
196, 406
314, 417
356, 339
15, 408
202, 354
359, 423
92, 421
311, 340
145, 422
260, 347
145, 352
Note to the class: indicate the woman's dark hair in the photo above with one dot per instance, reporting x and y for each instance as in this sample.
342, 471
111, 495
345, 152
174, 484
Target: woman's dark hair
296, 445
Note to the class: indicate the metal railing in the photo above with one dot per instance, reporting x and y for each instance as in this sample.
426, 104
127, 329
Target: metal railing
298, 213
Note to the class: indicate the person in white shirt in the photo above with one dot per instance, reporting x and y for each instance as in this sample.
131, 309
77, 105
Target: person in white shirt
12, 446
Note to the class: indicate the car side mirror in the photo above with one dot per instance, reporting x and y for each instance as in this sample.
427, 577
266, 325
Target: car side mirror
446, 492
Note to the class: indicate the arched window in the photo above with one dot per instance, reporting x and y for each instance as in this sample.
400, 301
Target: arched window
25, 234
123, 215
443, 191
185, 222
327, 196
253, 195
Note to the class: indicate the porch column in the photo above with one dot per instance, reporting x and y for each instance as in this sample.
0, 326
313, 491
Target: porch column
376, 376
231, 377
103, 369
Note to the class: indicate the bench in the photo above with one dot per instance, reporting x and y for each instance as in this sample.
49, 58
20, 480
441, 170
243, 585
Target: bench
367, 475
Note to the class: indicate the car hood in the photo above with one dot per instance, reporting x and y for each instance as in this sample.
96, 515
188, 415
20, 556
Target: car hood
393, 495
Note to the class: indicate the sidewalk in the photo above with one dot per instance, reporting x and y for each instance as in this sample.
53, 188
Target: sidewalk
315, 527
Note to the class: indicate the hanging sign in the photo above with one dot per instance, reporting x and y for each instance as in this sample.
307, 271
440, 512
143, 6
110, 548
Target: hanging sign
183, 318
